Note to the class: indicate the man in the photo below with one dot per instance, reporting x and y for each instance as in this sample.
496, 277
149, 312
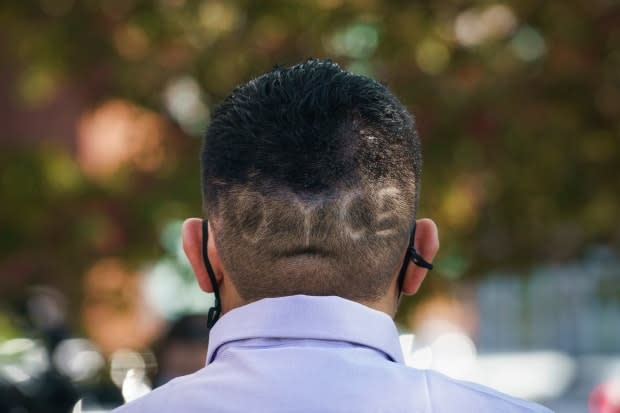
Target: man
311, 177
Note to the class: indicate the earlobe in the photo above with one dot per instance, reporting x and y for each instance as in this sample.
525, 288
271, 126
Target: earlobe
427, 244
192, 245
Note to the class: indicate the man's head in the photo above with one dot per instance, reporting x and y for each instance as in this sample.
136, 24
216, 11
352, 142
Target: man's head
310, 179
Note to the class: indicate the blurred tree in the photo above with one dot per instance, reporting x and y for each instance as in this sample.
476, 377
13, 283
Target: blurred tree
518, 104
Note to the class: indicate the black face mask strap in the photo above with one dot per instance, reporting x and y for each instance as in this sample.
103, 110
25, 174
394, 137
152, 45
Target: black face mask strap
214, 312
411, 255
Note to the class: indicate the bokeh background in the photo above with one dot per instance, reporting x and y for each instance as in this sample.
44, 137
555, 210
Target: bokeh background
102, 105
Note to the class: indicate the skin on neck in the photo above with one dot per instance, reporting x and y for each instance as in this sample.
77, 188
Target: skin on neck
426, 242
388, 303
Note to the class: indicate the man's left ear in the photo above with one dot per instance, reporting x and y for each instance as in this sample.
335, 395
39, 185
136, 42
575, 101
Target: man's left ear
192, 245
426, 243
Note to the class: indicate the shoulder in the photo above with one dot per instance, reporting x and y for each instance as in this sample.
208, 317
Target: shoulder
161, 399
447, 394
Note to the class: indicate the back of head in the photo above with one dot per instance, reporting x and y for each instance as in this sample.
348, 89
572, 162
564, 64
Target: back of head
310, 177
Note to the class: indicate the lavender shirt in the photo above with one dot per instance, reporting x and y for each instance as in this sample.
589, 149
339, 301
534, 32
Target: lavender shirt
315, 354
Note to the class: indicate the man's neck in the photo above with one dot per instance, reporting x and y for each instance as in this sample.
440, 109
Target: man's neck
389, 307
387, 304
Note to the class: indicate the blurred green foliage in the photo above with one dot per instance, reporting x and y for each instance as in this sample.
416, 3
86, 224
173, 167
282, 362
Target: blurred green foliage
518, 107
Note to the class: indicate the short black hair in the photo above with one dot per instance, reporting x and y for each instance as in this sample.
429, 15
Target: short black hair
310, 178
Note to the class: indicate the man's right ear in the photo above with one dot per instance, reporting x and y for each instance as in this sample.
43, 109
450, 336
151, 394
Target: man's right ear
192, 245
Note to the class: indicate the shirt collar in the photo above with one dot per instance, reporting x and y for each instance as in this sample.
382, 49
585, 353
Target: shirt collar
308, 317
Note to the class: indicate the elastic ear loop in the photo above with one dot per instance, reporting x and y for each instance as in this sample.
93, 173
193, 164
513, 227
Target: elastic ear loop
411, 255
214, 312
